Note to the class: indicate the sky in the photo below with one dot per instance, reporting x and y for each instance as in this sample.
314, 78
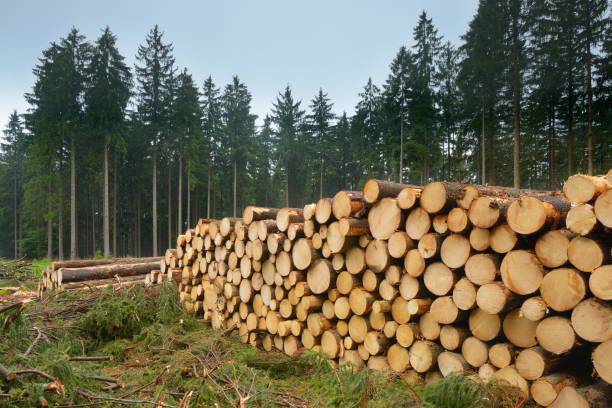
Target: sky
335, 45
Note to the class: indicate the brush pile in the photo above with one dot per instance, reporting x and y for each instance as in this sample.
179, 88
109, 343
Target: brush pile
98, 273
446, 278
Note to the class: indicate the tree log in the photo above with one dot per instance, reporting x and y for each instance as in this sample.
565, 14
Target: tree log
587, 254
592, 320
580, 188
384, 218
600, 282
602, 361
521, 272
603, 208
65, 275
252, 213
528, 215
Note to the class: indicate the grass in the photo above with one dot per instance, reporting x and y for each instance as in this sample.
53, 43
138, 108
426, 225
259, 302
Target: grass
162, 355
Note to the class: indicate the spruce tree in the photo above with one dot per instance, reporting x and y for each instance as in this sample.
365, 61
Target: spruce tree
154, 72
106, 98
320, 129
211, 133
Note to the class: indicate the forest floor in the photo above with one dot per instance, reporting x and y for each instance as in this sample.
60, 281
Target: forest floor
154, 355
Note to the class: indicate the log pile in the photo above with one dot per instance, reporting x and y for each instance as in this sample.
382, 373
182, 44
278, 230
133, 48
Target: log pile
98, 273
424, 281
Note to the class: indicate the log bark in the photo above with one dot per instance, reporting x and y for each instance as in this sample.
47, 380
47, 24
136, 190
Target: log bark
66, 275
98, 262
375, 190
252, 213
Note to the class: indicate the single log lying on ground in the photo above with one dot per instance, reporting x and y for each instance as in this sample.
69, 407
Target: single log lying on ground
98, 262
66, 275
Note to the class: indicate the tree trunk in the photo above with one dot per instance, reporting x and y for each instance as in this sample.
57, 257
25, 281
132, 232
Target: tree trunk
73, 209
321, 179
115, 213
154, 204
93, 223
517, 108
169, 204
188, 201
60, 216
551, 148
401, 158
138, 224
15, 209
106, 219
208, 193
49, 225
234, 212
180, 224
570, 125
482, 145
589, 97
287, 184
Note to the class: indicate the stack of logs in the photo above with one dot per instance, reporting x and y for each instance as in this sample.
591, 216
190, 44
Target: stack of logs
98, 273
425, 281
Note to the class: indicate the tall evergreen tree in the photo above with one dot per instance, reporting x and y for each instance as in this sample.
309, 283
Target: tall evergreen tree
106, 98
211, 132
367, 125
288, 120
154, 72
320, 128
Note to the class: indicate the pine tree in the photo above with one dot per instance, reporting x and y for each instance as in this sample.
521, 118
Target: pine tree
320, 129
288, 120
155, 75
367, 126
106, 98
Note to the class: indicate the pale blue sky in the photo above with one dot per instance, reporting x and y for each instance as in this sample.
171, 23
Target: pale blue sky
335, 45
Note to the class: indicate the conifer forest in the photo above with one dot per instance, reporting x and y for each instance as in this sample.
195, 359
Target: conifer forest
119, 160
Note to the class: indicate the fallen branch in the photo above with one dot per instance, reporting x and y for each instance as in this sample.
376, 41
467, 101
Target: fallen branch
93, 358
36, 372
6, 373
6, 395
9, 307
39, 336
104, 379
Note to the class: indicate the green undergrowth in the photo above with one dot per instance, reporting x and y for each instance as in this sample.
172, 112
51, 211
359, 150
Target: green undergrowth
162, 355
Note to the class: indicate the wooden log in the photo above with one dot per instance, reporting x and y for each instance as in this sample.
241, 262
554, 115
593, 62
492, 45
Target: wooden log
384, 218
66, 275
85, 263
580, 188
355, 260
227, 225
587, 254
345, 282
562, 289
287, 216
353, 227
361, 301
602, 361
337, 241
501, 354
375, 190
252, 213
398, 358
378, 363
603, 209
485, 372
512, 377
568, 397
600, 282
424, 355
528, 215
534, 362
464, 294
519, 331
452, 337
429, 245
320, 276
455, 251
551, 248
369, 280
393, 274
349, 204
439, 224
331, 344
458, 221
410, 287
429, 327
481, 269
592, 320
375, 342
323, 210
479, 239
452, 364
502, 239
303, 253
419, 306
406, 334
581, 219
358, 327
418, 223
556, 335
440, 196
414, 263
439, 279
544, 390
377, 255
534, 308
521, 272
495, 298
399, 244
444, 310
484, 326
475, 351
295, 231
486, 212
408, 196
